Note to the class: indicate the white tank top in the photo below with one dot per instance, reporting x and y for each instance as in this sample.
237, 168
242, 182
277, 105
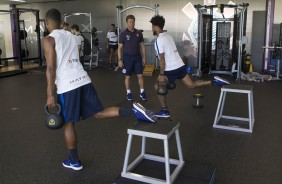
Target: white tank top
69, 73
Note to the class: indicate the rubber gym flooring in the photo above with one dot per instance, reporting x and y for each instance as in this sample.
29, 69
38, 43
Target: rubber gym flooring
32, 154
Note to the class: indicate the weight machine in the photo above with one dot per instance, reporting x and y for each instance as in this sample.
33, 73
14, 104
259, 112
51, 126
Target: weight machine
92, 33
120, 11
215, 54
20, 34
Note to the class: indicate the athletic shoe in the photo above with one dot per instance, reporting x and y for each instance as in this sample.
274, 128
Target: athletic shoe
141, 113
163, 114
220, 81
129, 97
72, 165
143, 96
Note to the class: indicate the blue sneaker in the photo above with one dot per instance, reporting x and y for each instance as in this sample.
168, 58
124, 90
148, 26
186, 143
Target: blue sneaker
143, 96
163, 114
72, 165
129, 97
143, 114
220, 81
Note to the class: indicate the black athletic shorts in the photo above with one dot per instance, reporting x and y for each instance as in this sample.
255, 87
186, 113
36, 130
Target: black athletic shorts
114, 47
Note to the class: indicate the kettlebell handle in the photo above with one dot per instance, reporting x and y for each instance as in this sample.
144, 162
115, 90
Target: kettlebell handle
57, 105
165, 81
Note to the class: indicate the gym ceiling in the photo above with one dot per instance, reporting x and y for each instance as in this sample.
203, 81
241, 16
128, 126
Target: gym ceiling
29, 1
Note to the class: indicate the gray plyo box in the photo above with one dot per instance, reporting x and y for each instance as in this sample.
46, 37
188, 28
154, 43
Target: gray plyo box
192, 173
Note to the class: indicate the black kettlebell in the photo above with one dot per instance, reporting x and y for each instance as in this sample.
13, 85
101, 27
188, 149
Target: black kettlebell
54, 121
170, 85
162, 90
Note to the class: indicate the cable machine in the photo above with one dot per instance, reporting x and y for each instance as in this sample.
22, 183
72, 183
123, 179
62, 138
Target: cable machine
20, 34
215, 53
92, 34
120, 11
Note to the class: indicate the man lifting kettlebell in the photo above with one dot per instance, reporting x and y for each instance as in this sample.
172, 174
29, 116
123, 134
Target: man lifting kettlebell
172, 67
75, 92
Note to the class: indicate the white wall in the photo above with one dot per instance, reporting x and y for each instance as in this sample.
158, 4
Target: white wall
278, 12
6, 36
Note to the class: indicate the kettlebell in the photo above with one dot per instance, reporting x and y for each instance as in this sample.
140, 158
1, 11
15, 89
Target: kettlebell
170, 85
162, 90
54, 121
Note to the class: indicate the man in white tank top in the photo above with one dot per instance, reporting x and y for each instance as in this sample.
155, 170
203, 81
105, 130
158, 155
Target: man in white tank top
171, 65
75, 92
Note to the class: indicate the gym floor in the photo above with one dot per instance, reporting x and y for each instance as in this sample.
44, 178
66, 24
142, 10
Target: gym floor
30, 153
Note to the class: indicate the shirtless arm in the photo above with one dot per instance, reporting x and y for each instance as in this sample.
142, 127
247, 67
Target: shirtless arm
50, 54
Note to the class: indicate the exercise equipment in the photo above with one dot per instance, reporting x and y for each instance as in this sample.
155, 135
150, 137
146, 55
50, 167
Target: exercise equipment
148, 41
163, 130
54, 121
170, 85
91, 32
209, 38
19, 32
162, 89
194, 71
270, 7
0, 58
276, 54
197, 97
234, 122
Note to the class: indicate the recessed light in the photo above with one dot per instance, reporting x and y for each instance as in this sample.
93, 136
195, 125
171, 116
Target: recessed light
21, 1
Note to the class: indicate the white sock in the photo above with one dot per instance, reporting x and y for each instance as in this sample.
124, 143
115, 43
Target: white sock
142, 90
128, 91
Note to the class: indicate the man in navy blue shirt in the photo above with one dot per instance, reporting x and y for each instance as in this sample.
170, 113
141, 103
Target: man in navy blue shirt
130, 58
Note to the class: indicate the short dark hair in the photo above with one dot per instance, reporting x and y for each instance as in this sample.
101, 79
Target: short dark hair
54, 15
66, 24
130, 17
75, 26
158, 20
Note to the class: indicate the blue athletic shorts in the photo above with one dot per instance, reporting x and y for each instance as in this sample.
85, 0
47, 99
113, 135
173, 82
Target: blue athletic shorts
132, 64
79, 103
178, 73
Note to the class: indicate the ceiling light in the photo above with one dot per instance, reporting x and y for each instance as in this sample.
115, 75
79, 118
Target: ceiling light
21, 1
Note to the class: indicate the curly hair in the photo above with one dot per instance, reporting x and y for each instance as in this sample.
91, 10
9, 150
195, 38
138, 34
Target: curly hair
158, 20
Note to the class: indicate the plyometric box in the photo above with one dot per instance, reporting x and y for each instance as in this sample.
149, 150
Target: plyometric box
192, 173
149, 70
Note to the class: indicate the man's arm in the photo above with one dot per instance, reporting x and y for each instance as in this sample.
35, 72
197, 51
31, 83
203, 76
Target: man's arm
143, 50
50, 55
162, 67
120, 63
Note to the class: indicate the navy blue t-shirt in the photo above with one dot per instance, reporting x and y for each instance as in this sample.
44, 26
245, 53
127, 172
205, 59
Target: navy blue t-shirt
131, 41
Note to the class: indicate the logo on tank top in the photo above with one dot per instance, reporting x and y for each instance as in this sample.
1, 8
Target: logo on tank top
78, 79
70, 61
127, 37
